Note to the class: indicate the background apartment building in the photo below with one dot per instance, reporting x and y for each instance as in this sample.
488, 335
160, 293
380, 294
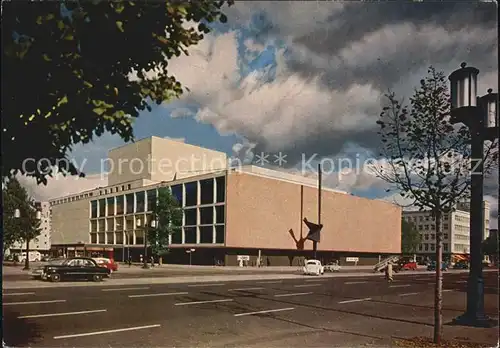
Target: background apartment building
455, 227
42, 242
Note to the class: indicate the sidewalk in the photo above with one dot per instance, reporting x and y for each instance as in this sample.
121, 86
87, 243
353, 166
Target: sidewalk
24, 284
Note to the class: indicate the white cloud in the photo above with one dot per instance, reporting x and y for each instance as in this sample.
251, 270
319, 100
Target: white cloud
181, 112
60, 185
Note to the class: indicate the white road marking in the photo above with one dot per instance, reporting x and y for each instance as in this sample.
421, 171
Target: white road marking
107, 331
125, 289
245, 289
305, 285
270, 282
409, 294
294, 294
160, 294
400, 286
199, 285
60, 314
358, 300
18, 293
316, 280
31, 302
201, 302
349, 283
262, 312
447, 290
461, 281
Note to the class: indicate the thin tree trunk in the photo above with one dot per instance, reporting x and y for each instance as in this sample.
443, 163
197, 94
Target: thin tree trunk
438, 300
27, 260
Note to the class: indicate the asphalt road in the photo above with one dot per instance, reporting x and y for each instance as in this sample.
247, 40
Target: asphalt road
311, 311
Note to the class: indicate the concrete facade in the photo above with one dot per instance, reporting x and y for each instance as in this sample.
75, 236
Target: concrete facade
455, 228
226, 212
43, 241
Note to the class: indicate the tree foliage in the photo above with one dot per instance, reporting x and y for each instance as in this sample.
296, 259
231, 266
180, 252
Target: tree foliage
410, 237
24, 228
167, 215
78, 69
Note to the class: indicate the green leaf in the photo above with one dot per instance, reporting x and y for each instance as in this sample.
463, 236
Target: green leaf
99, 111
46, 58
119, 25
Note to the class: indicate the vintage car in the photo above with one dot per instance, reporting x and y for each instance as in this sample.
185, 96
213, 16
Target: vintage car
332, 267
78, 268
107, 263
38, 271
461, 265
313, 267
432, 266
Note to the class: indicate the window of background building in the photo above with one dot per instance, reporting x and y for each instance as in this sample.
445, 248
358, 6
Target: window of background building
446, 218
221, 189
219, 234
110, 202
139, 237
191, 193
177, 236
445, 226
129, 223
190, 218
129, 237
110, 238
101, 225
445, 247
426, 227
433, 227
140, 202
119, 223
206, 216
207, 191
426, 237
190, 235
426, 247
93, 238
445, 235
93, 226
206, 234
433, 236
139, 221
420, 247
219, 214
177, 193
432, 247
118, 237
151, 198
421, 218
129, 203
119, 205
101, 238
111, 224
102, 207
93, 209
420, 227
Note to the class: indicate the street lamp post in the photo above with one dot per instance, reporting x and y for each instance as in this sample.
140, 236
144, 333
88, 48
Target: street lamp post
17, 215
480, 115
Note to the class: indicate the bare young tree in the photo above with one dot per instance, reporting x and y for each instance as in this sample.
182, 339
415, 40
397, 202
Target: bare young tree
427, 159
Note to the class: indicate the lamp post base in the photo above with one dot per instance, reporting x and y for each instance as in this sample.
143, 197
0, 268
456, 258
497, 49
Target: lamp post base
475, 320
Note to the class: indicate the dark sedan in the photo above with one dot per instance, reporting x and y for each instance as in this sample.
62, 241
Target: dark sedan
78, 268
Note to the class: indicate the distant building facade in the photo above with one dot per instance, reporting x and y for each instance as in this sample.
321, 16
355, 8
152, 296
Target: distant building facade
229, 214
455, 228
42, 242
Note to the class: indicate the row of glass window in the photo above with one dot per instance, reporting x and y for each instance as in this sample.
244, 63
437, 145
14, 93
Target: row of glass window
425, 247
191, 217
203, 192
187, 235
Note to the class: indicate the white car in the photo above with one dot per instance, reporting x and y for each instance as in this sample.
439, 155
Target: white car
313, 267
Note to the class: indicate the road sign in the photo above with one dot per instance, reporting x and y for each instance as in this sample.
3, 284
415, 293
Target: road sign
314, 230
352, 259
243, 257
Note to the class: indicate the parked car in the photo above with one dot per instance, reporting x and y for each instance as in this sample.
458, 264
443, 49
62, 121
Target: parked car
332, 267
432, 266
107, 263
38, 271
313, 267
407, 266
77, 268
34, 256
461, 265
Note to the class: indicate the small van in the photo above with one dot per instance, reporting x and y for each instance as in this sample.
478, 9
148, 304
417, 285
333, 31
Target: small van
34, 256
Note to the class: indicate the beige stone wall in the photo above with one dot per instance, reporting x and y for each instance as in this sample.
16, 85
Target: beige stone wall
70, 222
261, 211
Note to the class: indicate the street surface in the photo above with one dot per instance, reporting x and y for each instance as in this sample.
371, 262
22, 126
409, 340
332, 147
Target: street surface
305, 311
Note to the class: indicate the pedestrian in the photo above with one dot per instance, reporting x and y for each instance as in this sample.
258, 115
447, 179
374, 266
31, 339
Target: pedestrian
152, 259
388, 272
130, 261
